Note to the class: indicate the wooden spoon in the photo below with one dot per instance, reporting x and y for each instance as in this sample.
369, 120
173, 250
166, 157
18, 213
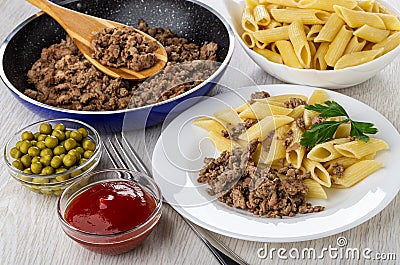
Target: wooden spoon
81, 28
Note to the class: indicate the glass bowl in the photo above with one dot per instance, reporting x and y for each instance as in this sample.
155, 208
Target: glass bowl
53, 184
116, 242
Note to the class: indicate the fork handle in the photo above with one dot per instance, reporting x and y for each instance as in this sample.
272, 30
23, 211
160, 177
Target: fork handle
219, 255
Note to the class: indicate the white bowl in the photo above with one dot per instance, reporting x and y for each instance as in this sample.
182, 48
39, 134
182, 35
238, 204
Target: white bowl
332, 79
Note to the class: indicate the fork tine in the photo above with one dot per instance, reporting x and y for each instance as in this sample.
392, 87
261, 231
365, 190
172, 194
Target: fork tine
112, 159
117, 154
136, 158
127, 160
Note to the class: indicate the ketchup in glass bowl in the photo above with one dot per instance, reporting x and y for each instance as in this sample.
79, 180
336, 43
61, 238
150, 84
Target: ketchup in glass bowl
110, 211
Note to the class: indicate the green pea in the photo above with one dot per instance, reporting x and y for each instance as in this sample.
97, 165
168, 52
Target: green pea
35, 159
27, 136
84, 132
33, 151
82, 161
75, 153
15, 153
59, 134
18, 164
36, 167
45, 160
76, 173
42, 137
46, 151
45, 128
41, 145
80, 150
29, 179
40, 180
61, 170
28, 171
88, 145
69, 160
67, 134
36, 135
62, 177
25, 146
47, 170
26, 160
33, 142
76, 135
60, 126
88, 154
18, 144
69, 144
62, 156
51, 141
56, 162
58, 150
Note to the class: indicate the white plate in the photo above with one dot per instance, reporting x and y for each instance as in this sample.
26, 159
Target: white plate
179, 155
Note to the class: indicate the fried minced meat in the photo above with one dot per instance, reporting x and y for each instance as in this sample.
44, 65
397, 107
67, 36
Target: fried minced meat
62, 77
235, 179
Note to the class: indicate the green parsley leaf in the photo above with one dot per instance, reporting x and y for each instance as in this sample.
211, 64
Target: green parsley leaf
330, 109
358, 130
325, 131
319, 133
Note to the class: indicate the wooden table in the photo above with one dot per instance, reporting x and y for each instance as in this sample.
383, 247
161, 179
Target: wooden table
30, 232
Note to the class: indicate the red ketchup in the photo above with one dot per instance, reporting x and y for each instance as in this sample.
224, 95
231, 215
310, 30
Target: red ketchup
109, 208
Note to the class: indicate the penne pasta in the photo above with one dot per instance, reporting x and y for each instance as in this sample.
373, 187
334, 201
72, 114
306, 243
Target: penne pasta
260, 110
343, 131
248, 39
326, 4
295, 152
357, 172
248, 22
330, 29
371, 34
272, 35
261, 15
306, 16
228, 115
314, 31
315, 189
391, 22
319, 58
288, 54
263, 128
388, 44
338, 45
357, 58
290, 3
356, 19
358, 148
318, 172
209, 124
326, 151
277, 149
274, 24
317, 97
300, 44
221, 143
356, 44
297, 112
270, 55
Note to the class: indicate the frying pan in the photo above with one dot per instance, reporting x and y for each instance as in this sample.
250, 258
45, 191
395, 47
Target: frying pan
190, 19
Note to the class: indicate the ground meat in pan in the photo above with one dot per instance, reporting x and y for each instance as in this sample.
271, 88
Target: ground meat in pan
124, 47
64, 78
235, 180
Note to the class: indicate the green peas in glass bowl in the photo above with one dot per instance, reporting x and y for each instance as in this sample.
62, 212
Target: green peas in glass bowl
47, 156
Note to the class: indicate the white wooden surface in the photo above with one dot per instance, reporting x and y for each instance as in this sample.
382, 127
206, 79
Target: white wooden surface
29, 229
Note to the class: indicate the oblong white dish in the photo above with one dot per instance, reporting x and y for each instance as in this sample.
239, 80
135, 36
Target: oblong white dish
332, 79
181, 148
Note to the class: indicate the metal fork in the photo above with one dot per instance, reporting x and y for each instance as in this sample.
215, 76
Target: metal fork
125, 156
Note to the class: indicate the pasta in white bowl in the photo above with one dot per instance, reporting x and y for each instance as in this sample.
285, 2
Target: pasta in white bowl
331, 44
